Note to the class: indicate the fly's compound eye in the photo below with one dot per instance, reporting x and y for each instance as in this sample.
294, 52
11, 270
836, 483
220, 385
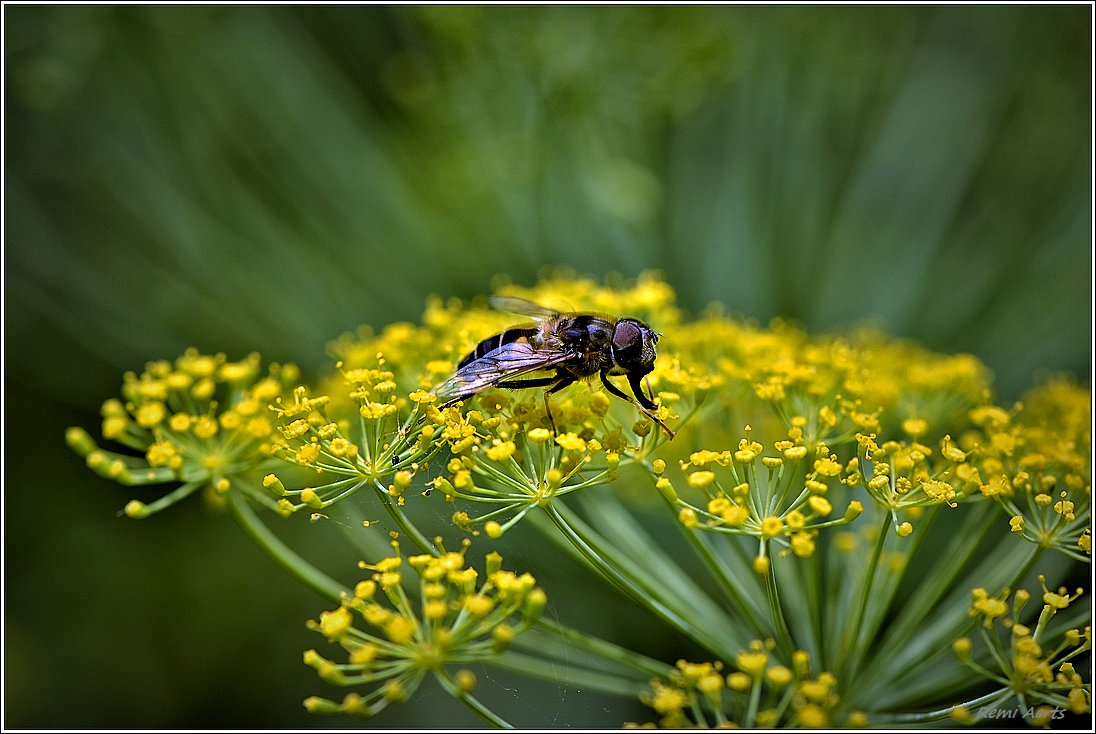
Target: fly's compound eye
633, 345
627, 336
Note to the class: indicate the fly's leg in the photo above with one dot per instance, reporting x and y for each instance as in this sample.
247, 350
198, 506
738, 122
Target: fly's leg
557, 383
637, 388
640, 400
615, 390
533, 382
563, 382
646, 403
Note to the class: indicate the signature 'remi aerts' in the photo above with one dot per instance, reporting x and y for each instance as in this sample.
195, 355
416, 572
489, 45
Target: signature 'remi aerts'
576, 345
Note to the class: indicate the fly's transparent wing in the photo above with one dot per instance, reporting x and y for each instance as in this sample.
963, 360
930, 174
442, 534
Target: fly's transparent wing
522, 307
507, 362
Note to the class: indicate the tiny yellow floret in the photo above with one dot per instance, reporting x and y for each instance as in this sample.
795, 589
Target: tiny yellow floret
465, 680
739, 682
336, 623
761, 565
752, 663
539, 435
771, 527
962, 648
701, 479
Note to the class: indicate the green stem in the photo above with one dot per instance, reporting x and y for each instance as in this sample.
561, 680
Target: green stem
619, 531
897, 680
738, 600
554, 670
851, 640
753, 705
1036, 553
281, 553
783, 635
406, 526
917, 718
651, 576
941, 579
895, 578
603, 649
816, 608
171, 498
916, 639
470, 702
731, 591
643, 597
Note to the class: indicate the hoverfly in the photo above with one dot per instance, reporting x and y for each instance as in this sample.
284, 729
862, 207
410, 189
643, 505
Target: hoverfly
576, 345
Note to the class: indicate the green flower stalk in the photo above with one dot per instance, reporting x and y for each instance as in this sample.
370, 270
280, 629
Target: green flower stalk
815, 527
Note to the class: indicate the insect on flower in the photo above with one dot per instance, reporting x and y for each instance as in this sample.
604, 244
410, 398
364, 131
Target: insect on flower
576, 345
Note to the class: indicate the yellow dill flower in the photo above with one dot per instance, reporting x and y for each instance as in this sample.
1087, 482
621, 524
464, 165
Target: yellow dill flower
811, 716
962, 647
989, 608
390, 649
752, 663
571, 442
796, 516
820, 505
1025, 657
701, 479
687, 517
667, 701
207, 446
539, 435
830, 418
771, 527
696, 695
1036, 461
379, 450
500, 450
1059, 599
802, 544
907, 475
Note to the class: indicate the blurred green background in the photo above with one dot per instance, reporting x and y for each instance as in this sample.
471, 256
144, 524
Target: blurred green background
240, 178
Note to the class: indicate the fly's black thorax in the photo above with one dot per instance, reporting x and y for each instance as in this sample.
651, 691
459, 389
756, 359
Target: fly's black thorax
588, 336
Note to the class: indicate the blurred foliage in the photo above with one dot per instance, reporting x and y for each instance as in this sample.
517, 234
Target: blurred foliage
267, 178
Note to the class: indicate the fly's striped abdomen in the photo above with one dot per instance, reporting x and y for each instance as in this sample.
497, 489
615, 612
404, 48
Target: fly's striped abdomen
492, 343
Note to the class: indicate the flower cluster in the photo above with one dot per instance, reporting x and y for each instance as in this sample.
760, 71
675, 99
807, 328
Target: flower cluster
421, 356
781, 496
1032, 666
200, 421
381, 446
397, 627
907, 476
504, 455
832, 386
791, 451
512, 471
1036, 462
760, 693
